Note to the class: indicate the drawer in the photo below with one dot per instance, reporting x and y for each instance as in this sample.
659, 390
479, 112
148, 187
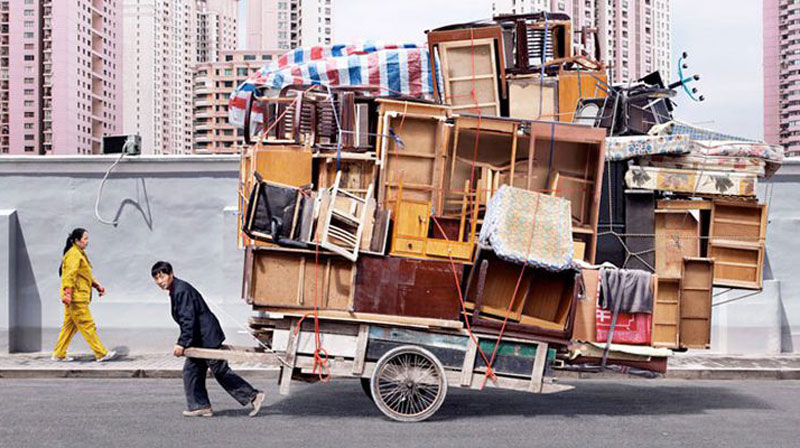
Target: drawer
409, 246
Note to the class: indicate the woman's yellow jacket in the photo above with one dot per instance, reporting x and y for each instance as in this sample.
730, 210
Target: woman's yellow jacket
76, 273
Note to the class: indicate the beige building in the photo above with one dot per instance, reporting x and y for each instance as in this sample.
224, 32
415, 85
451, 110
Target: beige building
160, 51
287, 24
213, 84
634, 35
217, 28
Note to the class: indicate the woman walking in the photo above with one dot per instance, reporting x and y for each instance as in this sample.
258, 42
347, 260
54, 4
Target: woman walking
77, 282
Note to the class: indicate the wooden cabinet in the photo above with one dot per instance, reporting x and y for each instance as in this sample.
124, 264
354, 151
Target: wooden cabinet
695, 306
677, 236
667, 312
737, 240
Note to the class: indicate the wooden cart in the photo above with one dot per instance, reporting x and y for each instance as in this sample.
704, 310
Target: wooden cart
406, 371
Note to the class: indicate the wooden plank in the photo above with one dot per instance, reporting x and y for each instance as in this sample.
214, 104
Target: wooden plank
469, 363
695, 302
361, 349
288, 165
538, 368
677, 236
233, 354
372, 318
289, 359
684, 204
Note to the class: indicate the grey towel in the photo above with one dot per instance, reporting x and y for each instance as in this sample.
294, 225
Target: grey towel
631, 287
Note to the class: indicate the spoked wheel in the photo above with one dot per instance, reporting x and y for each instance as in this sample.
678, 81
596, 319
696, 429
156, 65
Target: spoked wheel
408, 384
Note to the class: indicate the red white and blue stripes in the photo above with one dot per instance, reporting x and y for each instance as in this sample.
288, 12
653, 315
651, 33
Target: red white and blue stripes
397, 69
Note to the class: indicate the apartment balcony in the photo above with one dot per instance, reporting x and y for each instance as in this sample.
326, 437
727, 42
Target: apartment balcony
203, 103
204, 127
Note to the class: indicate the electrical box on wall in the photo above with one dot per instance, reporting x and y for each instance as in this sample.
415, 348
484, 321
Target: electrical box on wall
116, 144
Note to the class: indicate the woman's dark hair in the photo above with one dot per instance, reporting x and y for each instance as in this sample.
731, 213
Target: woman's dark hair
161, 267
76, 234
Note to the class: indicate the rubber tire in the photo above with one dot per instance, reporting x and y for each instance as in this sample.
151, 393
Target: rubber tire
366, 386
386, 410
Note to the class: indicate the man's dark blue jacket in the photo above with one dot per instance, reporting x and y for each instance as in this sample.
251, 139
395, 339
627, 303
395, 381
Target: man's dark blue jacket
199, 326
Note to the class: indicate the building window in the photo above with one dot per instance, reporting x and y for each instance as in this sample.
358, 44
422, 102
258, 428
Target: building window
29, 137
228, 72
28, 126
28, 57
27, 35
228, 57
28, 103
266, 57
249, 57
29, 115
28, 91
241, 71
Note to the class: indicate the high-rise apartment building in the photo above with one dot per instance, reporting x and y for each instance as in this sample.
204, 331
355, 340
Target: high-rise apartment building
286, 24
782, 74
60, 86
634, 35
213, 84
160, 51
217, 28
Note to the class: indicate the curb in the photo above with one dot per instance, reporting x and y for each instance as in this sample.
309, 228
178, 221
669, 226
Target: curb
734, 374
273, 373
719, 374
23, 373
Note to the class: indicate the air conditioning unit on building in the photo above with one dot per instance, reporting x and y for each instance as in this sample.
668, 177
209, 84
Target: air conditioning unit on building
129, 144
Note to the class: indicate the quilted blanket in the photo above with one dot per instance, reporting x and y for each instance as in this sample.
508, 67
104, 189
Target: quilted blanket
523, 226
749, 165
623, 148
691, 181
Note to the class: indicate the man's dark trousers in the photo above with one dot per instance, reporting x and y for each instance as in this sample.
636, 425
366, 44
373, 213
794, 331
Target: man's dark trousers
194, 382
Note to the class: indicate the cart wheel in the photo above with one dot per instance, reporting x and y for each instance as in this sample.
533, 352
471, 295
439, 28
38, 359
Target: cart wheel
408, 384
365, 385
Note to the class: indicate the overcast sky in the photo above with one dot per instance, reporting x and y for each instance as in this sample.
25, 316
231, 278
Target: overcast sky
722, 37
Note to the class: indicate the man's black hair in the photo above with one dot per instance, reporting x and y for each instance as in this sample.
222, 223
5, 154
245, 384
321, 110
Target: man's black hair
161, 267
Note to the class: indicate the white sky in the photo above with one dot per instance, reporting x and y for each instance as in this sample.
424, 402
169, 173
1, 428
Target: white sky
722, 37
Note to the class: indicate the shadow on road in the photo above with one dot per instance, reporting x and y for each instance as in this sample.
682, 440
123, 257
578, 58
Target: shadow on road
345, 399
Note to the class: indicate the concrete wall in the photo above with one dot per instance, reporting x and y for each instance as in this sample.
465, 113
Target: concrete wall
182, 209
179, 209
782, 193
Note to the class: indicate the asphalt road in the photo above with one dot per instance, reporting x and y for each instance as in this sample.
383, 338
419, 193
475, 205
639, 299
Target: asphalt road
147, 413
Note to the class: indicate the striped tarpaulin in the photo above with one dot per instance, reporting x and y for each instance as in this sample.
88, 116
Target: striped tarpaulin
397, 69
